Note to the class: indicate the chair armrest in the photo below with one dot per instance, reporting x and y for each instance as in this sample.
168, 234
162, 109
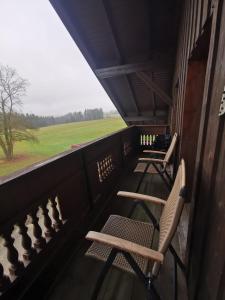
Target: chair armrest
124, 245
141, 197
154, 151
154, 160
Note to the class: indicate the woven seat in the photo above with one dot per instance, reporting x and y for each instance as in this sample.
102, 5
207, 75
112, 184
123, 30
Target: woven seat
128, 229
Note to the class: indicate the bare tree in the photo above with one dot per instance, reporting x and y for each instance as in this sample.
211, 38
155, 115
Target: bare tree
12, 129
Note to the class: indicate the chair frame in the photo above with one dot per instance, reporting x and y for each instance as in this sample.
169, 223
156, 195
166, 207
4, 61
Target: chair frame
125, 248
160, 165
140, 199
146, 280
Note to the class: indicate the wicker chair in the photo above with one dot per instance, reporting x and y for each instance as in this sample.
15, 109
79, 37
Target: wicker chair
126, 243
159, 164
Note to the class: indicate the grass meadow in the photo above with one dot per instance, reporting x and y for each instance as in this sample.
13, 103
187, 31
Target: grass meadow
56, 139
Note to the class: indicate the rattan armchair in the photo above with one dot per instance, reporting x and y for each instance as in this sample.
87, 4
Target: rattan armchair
126, 243
159, 164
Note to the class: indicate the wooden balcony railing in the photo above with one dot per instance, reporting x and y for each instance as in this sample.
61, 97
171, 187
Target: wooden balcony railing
46, 204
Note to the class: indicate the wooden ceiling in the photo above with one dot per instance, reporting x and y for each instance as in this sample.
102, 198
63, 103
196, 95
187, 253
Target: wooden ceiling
131, 47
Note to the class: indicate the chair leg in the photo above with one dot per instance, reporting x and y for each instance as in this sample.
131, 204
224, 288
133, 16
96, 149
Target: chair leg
149, 214
149, 295
137, 190
132, 209
142, 177
151, 292
169, 177
175, 280
178, 260
135, 267
161, 175
103, 273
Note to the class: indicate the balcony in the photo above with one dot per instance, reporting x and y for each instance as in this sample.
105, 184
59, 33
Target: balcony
47, 210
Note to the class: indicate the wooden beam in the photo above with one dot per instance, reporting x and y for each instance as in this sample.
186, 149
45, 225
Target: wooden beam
123, 69
153, 96
143, 119
109, 16
154, 87
109, 90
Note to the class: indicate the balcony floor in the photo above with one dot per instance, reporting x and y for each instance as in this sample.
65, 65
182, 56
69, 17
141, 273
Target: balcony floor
79, 275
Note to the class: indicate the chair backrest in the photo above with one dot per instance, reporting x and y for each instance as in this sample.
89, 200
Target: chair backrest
171, 213
171, 148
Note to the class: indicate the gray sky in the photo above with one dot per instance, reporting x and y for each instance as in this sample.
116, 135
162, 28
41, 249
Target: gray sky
35, 42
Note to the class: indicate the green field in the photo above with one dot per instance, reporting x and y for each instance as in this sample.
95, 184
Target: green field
56, 139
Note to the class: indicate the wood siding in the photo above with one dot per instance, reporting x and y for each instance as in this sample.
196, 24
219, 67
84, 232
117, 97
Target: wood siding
202, 39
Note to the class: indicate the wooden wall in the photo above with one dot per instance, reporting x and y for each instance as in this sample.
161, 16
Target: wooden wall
194, 16
202, 41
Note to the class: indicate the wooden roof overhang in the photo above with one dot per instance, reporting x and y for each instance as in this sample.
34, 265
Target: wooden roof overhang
131, 47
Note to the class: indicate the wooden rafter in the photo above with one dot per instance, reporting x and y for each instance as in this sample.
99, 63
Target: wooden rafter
144, 119
113, 97
155, 88
124, 69
153, 96
119, 52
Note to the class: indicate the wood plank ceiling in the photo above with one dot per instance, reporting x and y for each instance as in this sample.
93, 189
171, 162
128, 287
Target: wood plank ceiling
130, 46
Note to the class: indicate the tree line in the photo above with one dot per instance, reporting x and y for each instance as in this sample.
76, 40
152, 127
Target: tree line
35, 121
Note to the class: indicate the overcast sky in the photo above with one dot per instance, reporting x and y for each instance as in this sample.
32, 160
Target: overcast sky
35, 42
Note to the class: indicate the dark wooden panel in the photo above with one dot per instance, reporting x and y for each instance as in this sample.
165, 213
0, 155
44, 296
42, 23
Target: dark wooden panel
205, 10
192, 111
152, 129
21, 192
204, 283
214, 247
73, 197
208, 145
155, 88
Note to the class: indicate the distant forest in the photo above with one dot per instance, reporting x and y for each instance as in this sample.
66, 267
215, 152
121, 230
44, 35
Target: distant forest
34, 121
